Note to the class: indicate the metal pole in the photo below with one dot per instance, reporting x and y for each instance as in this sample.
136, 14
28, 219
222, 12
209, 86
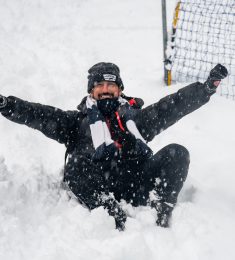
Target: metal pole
164, 31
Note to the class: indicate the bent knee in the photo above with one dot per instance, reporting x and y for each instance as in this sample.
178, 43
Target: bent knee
178, 152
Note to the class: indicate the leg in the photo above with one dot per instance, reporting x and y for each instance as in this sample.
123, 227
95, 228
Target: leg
89, 183
167, 171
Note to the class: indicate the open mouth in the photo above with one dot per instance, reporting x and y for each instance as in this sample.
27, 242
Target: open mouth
105, 95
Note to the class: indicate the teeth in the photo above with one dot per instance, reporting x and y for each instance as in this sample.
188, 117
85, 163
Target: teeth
106, 96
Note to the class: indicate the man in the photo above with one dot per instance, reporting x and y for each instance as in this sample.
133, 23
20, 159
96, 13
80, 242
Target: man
108, 158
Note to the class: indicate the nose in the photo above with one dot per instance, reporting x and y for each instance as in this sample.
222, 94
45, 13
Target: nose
105, 87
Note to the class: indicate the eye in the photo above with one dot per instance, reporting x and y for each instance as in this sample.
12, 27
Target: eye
111, 84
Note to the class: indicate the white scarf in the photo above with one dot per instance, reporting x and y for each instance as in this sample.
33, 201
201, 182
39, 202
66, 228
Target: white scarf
99, 130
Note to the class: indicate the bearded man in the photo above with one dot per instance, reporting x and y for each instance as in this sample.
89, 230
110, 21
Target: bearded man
107, 156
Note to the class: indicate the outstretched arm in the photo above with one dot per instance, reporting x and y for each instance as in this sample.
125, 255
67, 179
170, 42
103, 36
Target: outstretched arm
51, 121
159, 116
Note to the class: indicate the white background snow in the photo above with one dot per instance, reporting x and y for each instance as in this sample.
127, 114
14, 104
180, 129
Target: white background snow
46, 48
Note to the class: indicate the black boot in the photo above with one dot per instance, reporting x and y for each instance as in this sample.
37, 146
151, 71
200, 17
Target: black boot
120, 219
116, 211
164, 212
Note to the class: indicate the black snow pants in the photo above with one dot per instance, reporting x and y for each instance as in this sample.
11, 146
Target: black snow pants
163, 176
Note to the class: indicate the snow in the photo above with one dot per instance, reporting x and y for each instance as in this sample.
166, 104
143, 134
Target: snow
46, 49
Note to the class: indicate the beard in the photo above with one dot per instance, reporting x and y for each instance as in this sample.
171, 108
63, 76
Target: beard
108, 106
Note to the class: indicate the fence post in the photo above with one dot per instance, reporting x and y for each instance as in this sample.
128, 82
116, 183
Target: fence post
164, 31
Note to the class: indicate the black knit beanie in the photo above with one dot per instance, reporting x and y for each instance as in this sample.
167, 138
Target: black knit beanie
104, 71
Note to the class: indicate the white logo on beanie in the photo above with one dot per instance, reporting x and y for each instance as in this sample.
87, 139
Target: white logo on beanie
109, 77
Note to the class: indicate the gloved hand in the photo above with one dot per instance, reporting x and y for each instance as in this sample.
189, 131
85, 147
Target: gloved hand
142, 150
3, 101
136, 149
216, 74
105, 153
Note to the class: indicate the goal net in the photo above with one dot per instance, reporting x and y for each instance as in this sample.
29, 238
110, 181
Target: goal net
203, 35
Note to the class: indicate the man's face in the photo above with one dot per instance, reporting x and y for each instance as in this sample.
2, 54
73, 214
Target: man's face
105, 89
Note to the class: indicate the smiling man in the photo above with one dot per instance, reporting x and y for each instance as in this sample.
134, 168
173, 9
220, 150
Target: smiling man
107, 157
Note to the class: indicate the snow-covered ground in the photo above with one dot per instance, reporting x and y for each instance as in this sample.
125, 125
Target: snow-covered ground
46, 48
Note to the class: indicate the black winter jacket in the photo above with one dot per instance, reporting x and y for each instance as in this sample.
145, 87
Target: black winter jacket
71, 128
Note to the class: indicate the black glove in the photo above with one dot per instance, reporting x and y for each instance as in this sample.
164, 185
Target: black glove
3, 101
142, 150
136, 149
217, 73
105, 153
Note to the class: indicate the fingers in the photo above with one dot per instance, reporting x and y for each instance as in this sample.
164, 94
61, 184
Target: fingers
3, 101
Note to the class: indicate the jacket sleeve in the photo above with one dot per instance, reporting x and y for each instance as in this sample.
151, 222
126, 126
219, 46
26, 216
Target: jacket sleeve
51, 121
157, 117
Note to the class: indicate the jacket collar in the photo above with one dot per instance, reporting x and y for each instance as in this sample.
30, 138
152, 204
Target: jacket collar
82, 106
